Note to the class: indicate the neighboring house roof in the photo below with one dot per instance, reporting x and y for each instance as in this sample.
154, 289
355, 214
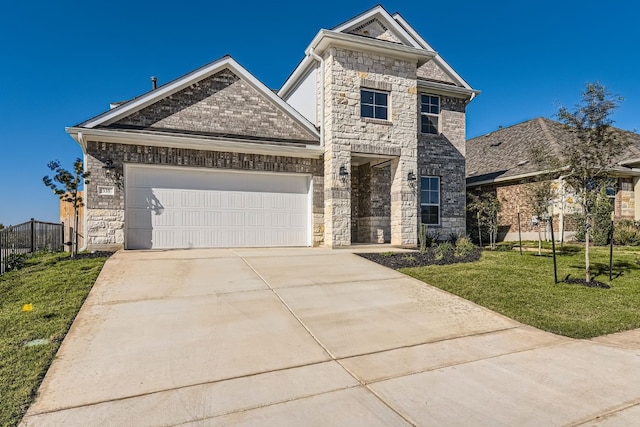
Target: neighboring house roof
503, 155
115, 121
379, 30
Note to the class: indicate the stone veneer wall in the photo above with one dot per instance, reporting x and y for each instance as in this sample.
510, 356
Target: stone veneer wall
105, 214
346, 71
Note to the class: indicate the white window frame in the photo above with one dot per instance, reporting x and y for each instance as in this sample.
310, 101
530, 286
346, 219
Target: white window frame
438, 204
374, 105
424, 115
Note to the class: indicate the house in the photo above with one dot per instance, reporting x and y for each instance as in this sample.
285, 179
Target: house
498, 162
365, 140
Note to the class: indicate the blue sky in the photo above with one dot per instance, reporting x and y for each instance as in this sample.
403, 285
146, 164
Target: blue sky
62, 62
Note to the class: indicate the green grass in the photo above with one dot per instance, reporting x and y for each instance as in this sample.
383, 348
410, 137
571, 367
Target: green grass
56, 286
522, 287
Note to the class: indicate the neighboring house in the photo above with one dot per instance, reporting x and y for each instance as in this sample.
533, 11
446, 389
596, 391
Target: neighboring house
365, 140
498, 162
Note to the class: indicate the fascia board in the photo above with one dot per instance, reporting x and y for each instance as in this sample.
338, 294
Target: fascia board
197, 143
445, 89
386, 18
294, 79
438, 59
326, 38
189, 79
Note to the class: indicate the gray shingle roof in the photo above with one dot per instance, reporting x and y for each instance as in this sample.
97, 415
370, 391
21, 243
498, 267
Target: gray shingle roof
504, 153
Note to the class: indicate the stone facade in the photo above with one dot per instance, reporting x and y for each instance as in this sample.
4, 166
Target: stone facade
346, 72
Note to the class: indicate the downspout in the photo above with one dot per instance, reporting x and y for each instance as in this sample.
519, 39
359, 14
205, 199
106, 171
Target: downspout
318, 58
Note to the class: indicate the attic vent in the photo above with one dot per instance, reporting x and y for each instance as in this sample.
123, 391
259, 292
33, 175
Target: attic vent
495, 144
369, 22
523, 162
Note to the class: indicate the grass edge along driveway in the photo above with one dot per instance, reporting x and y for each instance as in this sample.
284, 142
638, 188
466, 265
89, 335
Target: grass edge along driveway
55, 286
521, 287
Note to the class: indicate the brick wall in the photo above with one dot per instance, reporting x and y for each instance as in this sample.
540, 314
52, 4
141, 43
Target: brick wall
105, 213
221, 103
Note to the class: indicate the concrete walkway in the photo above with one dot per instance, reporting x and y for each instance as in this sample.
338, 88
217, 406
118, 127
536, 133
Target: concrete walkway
291, 337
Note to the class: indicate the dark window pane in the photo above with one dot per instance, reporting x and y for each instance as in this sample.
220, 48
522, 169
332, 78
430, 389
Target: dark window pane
435, 101
434, 109
381, 99
424, 182
366, 110
366, 97
381, 113
430, 215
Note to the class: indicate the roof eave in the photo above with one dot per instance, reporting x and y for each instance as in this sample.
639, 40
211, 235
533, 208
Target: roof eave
193, 142
446, 89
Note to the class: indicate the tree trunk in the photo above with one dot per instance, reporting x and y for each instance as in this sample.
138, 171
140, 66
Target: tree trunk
74, 238
539, 241
587, 267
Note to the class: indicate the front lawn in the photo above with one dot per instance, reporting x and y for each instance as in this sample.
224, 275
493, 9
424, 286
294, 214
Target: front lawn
521, 287
55, 286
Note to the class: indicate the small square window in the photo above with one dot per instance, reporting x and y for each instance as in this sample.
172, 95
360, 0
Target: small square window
374, 104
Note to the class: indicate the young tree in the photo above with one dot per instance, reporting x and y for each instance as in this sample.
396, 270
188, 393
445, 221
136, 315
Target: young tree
70, 184
587, 158
486, 207
540, 196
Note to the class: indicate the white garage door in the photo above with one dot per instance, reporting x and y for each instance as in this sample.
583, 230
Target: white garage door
195, 208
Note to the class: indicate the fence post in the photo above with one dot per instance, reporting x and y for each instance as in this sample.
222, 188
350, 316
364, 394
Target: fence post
33, 234
62, 236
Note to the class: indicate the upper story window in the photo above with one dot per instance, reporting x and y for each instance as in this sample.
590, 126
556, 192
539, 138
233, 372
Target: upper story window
374, 104
430, 113
430, 200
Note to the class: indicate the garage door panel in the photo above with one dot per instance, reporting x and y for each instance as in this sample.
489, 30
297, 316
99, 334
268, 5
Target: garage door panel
170, 208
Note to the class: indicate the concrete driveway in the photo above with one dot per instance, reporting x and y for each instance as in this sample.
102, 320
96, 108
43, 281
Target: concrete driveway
291, 337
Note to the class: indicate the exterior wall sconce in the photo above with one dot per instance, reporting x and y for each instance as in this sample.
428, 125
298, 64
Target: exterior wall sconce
411, 178
343, 172
111, 172
109, 169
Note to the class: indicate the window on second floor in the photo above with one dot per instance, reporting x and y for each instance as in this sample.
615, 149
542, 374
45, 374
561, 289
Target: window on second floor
374, 104
430, 200
429, 113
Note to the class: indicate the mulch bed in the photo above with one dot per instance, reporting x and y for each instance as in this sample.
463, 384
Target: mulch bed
396, 260
591, 284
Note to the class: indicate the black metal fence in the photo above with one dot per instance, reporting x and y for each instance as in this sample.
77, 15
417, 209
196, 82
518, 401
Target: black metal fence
30, 236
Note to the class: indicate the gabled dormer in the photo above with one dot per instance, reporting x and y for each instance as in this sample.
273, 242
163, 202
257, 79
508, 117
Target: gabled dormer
376, 31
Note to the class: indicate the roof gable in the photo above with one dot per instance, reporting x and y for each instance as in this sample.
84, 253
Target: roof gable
222, 83
377, 23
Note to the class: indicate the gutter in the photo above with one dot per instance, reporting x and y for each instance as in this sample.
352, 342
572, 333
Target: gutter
311, 53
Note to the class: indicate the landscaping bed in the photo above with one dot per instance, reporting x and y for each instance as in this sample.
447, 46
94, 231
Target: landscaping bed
398, 260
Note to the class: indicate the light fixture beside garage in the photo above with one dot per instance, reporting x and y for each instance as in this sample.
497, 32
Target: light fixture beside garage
111, 172
344, 173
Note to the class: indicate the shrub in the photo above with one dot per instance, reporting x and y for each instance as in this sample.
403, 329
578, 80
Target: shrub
626, 233
464, 247
443, 249
14, 261
601, 219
